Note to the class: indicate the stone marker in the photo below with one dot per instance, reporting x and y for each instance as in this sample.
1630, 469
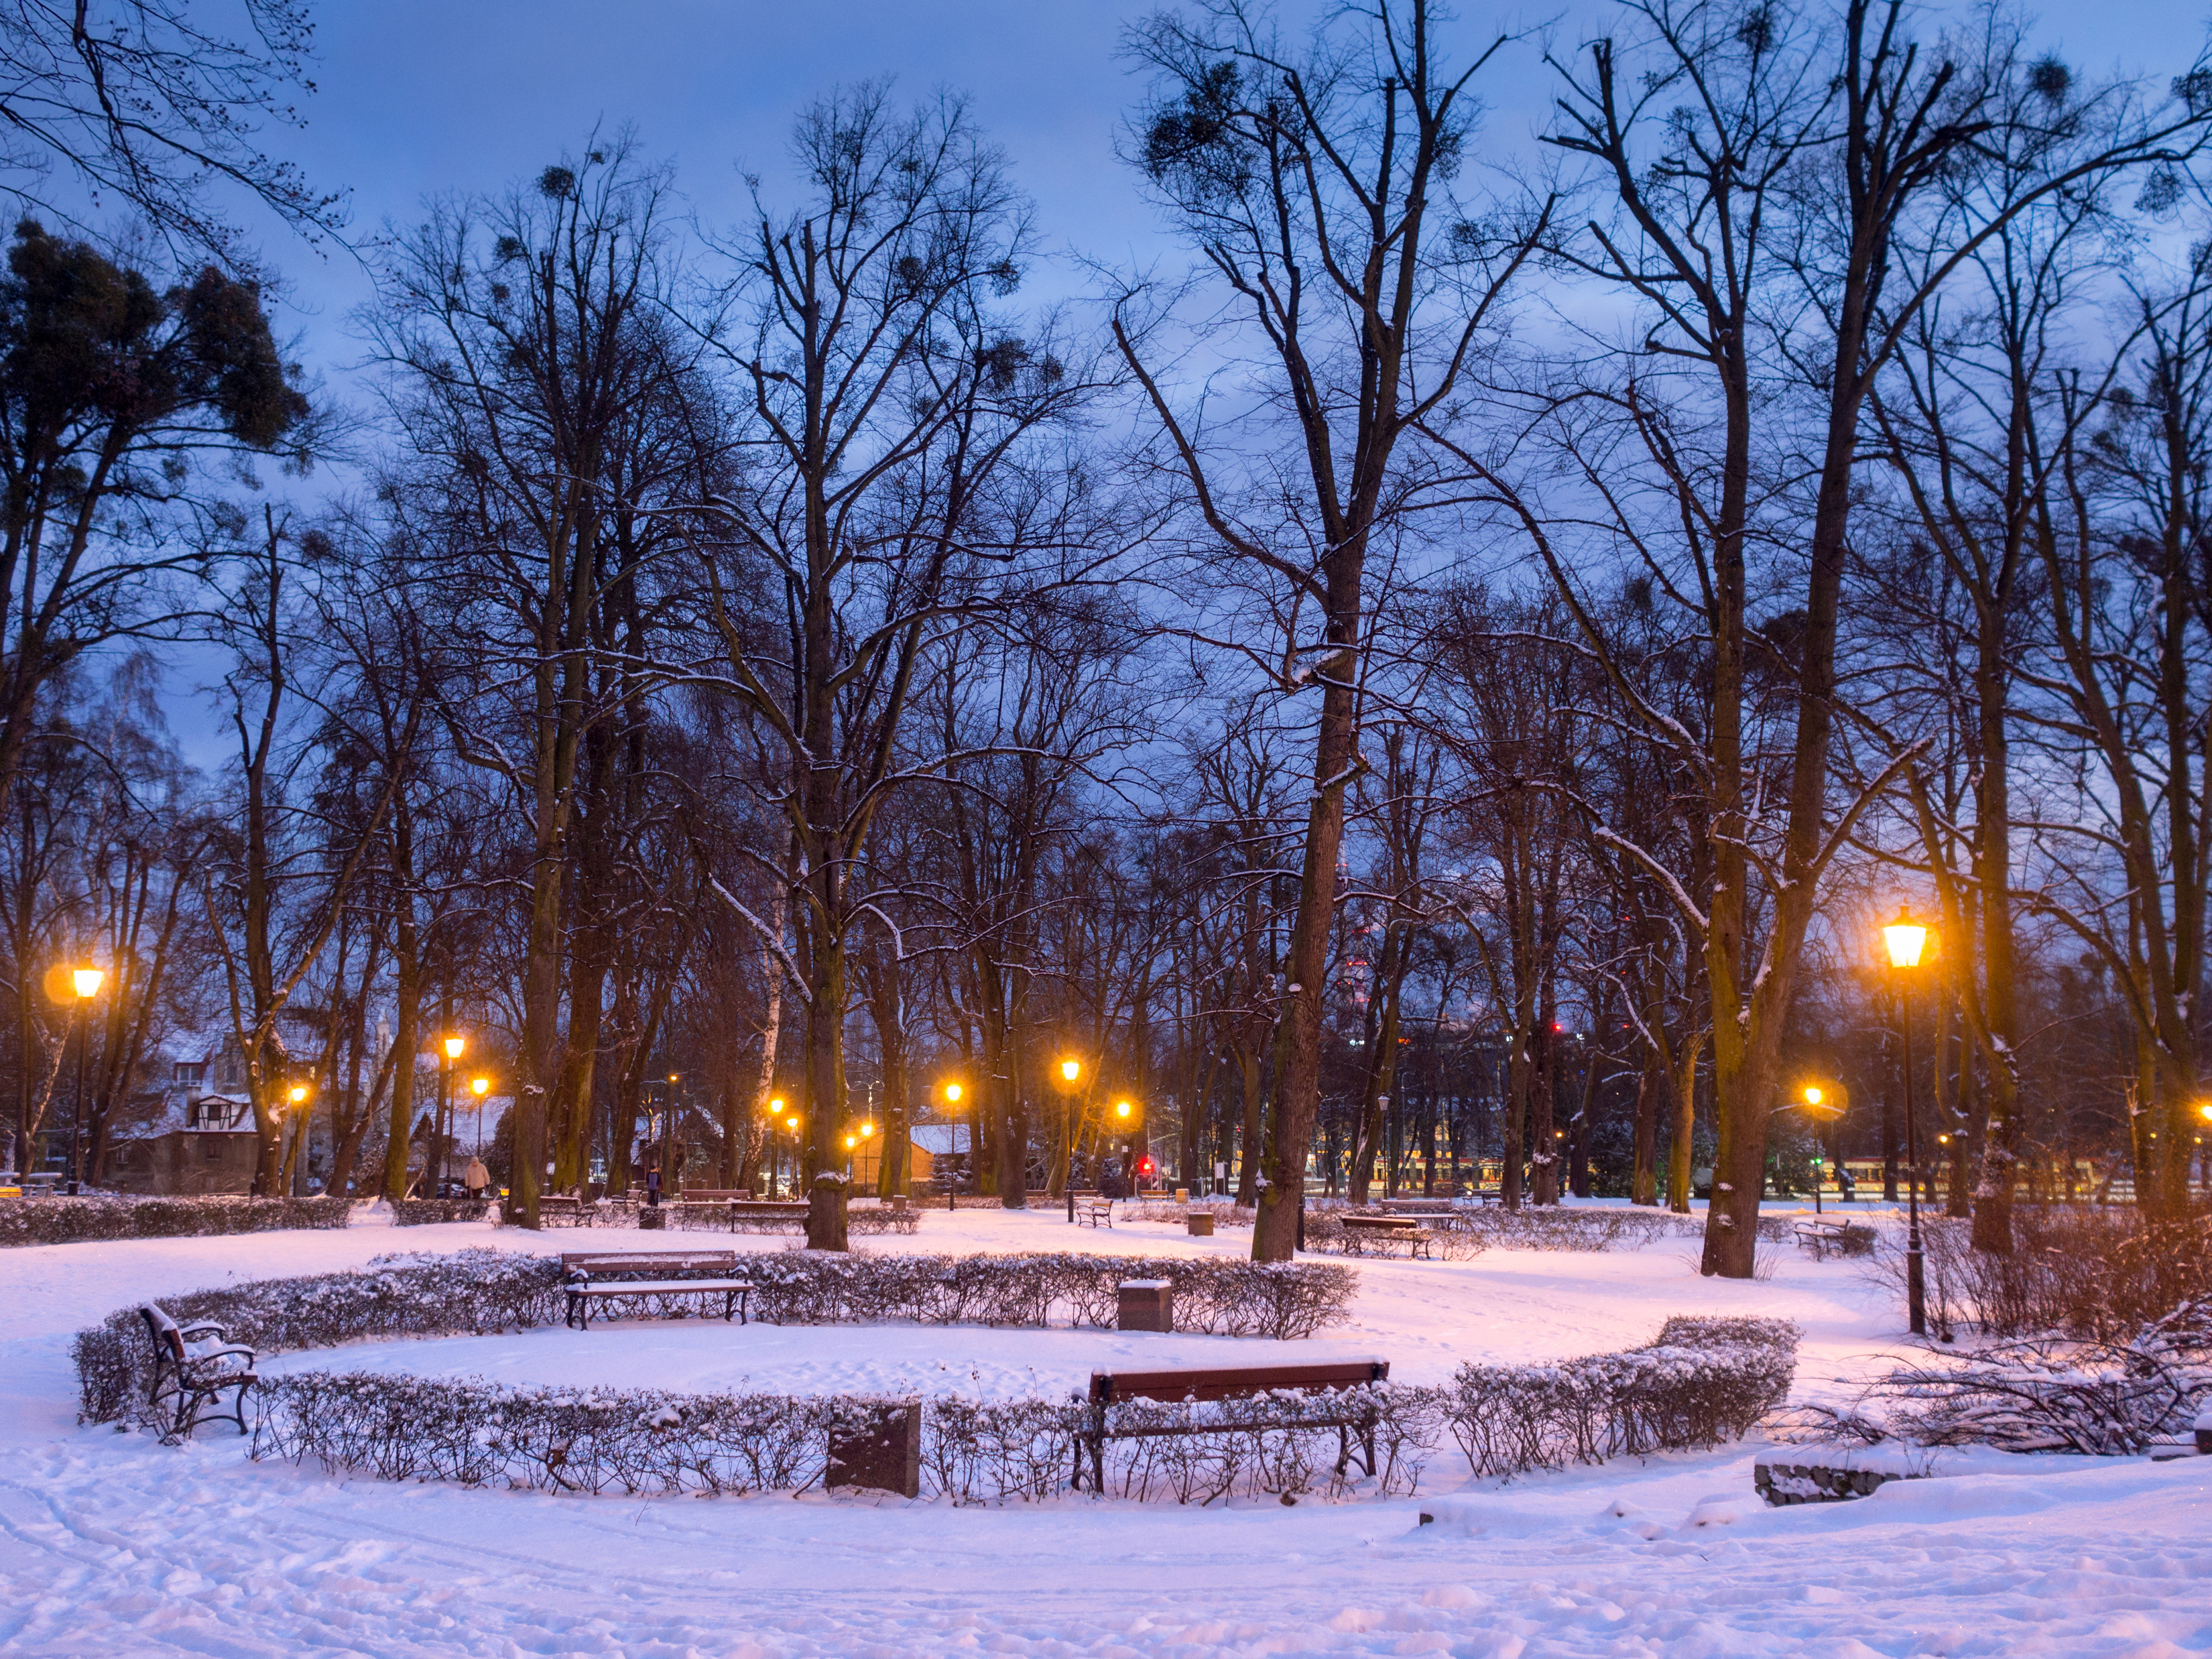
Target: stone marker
878, 1448
1147, 1304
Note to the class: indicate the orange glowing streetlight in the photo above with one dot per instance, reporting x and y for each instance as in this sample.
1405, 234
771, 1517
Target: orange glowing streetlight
1906, 939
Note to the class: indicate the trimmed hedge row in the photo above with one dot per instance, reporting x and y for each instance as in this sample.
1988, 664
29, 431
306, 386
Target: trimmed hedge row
1704, 1381
406, 1428
432, 1212
1700, 1382
61, 1220
473, 1293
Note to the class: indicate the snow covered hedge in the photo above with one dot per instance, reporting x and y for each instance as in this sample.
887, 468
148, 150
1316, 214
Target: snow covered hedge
1474, 1229
860, 1219
471, 1292
430, 1212
644, 1440
61, 1220
1701, 1382
1704, 1381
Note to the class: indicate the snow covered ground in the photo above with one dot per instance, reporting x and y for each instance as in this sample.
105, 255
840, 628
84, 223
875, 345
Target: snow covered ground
114, 1545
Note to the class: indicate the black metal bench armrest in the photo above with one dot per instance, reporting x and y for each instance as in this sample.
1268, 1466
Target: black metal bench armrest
222, 1351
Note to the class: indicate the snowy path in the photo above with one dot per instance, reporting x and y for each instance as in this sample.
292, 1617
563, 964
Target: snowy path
112, 1545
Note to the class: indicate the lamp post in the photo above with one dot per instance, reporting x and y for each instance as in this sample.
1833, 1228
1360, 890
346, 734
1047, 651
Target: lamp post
671, 1168
479, 1087
1906, 939
775, 1147
85, 982
951, 1179
297, 1093
1070, 1071
454, 1047
1820, 1101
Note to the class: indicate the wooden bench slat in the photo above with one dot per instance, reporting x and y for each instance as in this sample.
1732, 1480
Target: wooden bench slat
659, 1286
613, 1261
1233, 1383
1110, 1388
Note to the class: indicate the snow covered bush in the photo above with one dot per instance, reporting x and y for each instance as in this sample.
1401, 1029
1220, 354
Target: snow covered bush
581, 1440
1219, 1297
430, 1211
866, 1219
470, 1292
57, 1220
2074, 1269
473, 1292
2048, 1393
1703, 1381
650, 1441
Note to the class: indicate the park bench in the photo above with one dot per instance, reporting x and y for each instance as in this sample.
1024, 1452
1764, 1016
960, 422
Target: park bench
735, 1211
1384, 1231
1843, 1237
1095, 1210
1356, 1414
662, 1277
565, 1210
192, 1372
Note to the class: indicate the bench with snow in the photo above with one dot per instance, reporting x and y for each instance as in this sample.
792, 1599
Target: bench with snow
1336, 1395
192, 1372
666, 1279
1095, 1210
1843, 1237
566, 1209
748, 1213
1385, 1231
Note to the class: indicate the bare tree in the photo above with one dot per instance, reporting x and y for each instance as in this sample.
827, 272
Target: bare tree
1316, 185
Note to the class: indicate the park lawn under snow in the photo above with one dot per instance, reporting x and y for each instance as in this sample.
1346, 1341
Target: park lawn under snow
114, 1544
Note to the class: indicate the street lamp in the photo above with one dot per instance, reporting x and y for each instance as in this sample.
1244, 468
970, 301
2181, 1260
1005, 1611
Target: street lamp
952, 1093
479, 1087
1070, 1070
85, 982
454, 1045
1906, 939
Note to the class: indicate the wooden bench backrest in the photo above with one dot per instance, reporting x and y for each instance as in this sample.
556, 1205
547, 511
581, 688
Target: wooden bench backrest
1106, 1387
1395, 1223
164, 1331
649, 1262
713, 1194
769, 1206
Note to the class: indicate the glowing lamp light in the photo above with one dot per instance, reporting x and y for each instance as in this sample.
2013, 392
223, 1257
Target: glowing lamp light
299, 1093
952, 1094
776, 1106
793, 1126
2205, 1111
1813, 1094
1906, 939
1121, 1108
851, 1141
86, 981
867, 1130
1071, 1069
479, 1087
455, 1046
